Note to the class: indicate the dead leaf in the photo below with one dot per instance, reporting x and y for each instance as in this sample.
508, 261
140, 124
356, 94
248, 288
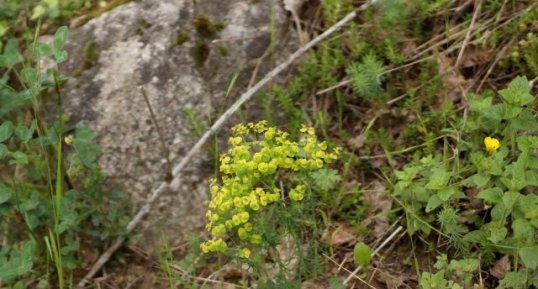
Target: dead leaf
378, 204
357, 142
475, 55
376, 198
338, 236
501, 267
293, 6
454, 82
390, 280
287, 253
311, 284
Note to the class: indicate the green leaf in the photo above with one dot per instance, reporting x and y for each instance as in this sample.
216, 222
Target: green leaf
529, 256
466, 265
11, 54
433, 281
60, 56
438, 179
433, 203
528, 205
522, 230
517, 92
525, 121
325, 179
43, 50
19, 264
510, 198
479, 105
408, 173
513, 280
84, 135
502, 111
497, 234
60, 37
29, 75
19, 158
477, 180
23, 133
527, 143
30, 203
5, 193
448, 193
493, 195
362, 254
6, 130
3, 151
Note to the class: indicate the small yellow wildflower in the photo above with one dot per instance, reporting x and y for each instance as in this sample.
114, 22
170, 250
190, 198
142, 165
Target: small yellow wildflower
68, 140
492, 144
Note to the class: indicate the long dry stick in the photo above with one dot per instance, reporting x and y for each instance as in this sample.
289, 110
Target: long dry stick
468, 35
146, 208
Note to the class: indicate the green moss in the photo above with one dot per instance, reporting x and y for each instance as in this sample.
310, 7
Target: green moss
181, 38
141, 26
203, 25
200, 51
90, 54
223, 51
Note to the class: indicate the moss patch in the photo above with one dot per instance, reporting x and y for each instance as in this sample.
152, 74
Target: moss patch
181, 38
203, 25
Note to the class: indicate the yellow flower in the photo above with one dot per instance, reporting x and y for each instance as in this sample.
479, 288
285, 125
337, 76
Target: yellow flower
68, 140
244, 253
492, 144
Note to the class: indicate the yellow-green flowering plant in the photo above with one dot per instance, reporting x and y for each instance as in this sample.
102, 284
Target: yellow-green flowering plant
258, 154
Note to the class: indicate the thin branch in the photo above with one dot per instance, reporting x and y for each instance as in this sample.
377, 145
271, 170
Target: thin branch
146, 208
159, 133
468, 35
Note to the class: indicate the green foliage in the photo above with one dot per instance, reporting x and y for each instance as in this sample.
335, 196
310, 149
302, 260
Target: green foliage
20, 263
366, 77
53, 196
13, 10
325, 179
503, 178
454, 275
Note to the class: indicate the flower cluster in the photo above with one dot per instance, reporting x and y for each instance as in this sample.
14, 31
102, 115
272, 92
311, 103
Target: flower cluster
249, 169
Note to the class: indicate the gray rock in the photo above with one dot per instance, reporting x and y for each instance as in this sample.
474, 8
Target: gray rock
155, 44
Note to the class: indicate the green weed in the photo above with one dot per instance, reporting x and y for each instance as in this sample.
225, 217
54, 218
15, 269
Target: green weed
51, 187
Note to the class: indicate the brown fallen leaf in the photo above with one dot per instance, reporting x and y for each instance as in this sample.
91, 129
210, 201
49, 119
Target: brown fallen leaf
340, 235
378, 204
358, 141
311, 284
475, 55
501, 267
391, 281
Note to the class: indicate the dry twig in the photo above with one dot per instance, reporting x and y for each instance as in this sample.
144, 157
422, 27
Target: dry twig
468, 35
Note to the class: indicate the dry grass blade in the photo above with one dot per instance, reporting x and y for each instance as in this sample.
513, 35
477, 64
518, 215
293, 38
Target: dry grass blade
468, 35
